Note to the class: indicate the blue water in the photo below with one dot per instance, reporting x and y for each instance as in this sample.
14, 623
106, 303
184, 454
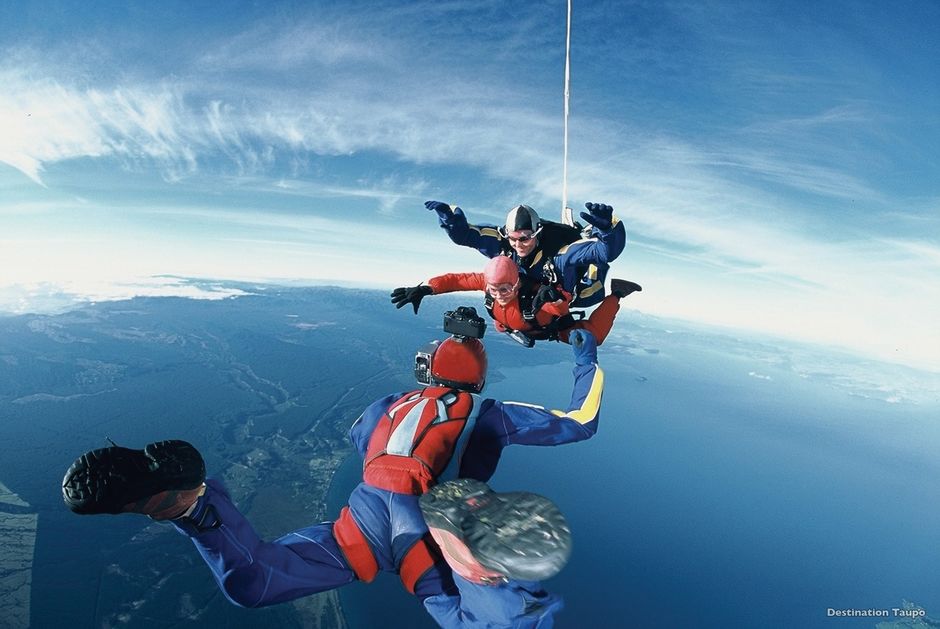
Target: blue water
714, 498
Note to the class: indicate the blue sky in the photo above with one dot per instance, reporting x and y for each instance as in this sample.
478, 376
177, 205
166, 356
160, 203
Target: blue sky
776, 164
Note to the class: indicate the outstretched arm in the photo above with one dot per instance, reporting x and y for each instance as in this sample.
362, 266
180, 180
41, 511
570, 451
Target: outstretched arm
529, 424
457, 282
447, 283
607, 241
483, 238
590, 257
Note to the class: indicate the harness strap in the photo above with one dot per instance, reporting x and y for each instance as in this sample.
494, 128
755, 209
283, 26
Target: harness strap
417, 561
355, 546
549, 331
526, 298
549, 272
488, 302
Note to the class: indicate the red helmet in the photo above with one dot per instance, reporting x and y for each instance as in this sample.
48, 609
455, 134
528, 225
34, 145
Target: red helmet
501, 270
455, 362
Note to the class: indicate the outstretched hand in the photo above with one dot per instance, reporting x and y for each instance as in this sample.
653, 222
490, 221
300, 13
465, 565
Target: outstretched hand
410, 295
599, 215
437, 206
585, 347
447, 214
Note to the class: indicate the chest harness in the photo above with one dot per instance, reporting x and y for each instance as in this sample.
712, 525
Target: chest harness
537, 331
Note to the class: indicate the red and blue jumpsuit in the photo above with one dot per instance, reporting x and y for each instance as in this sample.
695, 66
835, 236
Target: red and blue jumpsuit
382, 530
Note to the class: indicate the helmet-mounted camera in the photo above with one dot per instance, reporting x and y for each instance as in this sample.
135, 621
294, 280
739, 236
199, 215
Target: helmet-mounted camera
459, 361
464, 323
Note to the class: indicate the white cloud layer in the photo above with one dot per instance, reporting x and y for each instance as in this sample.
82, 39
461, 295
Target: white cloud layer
766, 225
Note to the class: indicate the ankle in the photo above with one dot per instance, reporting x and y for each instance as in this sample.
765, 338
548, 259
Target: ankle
191, 508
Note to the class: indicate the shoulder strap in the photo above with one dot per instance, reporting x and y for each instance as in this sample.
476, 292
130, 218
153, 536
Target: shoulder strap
452, 470
417, 407
488, 302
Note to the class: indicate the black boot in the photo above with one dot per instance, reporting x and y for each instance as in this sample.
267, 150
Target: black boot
622, 288
162, 481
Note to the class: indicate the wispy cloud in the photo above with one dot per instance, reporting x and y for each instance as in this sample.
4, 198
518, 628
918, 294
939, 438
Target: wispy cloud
306, 47
51, 297
49, 121
761, 197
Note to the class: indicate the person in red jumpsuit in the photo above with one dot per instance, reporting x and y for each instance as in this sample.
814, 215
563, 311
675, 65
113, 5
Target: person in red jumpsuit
528, 312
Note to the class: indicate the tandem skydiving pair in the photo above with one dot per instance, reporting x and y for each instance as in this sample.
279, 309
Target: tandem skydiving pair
538, 271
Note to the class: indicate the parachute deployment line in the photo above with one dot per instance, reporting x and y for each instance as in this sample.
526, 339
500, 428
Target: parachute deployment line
564, 175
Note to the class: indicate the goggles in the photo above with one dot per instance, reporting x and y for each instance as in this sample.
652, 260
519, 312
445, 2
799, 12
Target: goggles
525, 237
501, 290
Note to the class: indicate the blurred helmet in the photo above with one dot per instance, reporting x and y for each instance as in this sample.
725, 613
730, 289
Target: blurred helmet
501, 270
522, 217
455, 362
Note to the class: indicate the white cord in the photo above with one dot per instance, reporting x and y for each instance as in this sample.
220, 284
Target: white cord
564, 189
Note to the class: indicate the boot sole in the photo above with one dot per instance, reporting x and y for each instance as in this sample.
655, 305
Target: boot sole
444, 506
519, 534
622, 288
108, 480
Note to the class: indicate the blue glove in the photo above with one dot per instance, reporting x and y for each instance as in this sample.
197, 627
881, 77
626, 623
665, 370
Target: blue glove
438, 206
450, 219
585, 347
599, 215
444, 213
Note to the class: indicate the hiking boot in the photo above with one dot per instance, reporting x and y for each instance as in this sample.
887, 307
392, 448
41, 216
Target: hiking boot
622, 288
162, 481
489, 538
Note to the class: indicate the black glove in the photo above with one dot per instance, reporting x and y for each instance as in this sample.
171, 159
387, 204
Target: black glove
599, 215
546, 294
410, 295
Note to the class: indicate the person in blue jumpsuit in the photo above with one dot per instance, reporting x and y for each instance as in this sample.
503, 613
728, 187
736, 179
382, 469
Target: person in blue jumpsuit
546, 252
379, 530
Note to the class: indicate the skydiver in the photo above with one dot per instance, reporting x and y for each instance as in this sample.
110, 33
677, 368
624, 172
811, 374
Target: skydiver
546, 252
525, 311
382, 527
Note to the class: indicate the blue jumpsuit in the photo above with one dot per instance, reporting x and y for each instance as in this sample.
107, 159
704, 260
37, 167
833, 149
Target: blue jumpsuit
580, 267
255, 573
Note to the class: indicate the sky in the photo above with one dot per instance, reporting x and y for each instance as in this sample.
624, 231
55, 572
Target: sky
775, 163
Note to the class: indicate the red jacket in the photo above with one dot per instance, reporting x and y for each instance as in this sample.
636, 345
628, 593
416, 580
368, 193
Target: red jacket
508, 316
